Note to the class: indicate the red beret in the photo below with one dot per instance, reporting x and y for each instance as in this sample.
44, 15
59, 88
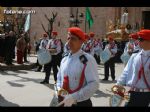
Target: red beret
110, 38
77, 32
92, 34
145, 34
45, 34
86, 36
134, 35
54, 33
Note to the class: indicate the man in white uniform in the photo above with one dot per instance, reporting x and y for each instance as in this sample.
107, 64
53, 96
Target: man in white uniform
136, 74
78, 73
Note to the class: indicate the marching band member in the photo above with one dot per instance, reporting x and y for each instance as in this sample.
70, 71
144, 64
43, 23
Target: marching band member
129, 47
100, 44
44, 41
86, 45
111, 62
91, 43
54, 46
42, 45
137, 48
136, 74
78, 73
97, 50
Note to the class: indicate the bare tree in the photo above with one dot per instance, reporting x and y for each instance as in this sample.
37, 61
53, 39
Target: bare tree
50, 24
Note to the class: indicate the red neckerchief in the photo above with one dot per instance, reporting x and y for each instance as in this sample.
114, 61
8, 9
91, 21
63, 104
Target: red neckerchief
136, 43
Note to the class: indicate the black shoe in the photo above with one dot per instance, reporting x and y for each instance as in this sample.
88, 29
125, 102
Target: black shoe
26, 61
113, 79
44, 82
104, 79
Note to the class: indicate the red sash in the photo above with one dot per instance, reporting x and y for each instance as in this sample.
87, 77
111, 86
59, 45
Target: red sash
141, 73
66, 82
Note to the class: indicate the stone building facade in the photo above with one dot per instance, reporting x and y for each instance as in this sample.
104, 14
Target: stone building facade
101, 16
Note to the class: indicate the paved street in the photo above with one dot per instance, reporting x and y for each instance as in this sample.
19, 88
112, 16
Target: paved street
22, 88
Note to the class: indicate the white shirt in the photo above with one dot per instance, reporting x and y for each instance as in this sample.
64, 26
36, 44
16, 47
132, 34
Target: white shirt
54, 44
43, 43
72, 67
113, 50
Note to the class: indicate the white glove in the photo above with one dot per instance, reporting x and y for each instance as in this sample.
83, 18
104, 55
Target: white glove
68, 101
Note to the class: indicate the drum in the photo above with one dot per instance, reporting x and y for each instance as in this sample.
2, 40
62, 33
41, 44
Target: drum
105, 55
125, 57
118, 96
44, 56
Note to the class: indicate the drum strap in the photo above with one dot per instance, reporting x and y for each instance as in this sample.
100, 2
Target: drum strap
141, 73
66, 78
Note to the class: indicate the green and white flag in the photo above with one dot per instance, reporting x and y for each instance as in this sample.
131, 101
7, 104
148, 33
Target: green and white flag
27, 23
89, 18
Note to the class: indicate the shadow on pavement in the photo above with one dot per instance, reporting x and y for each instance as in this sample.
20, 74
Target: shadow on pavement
5, 73
101, 94
107, 82
51, 86
15, 84
25, 79
22, 72
5, 103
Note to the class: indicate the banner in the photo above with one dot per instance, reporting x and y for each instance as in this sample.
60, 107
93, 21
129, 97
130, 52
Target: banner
27, 23
89, 17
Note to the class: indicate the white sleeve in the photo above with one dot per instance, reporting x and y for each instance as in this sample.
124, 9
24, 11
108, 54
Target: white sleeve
126, 72
59, 78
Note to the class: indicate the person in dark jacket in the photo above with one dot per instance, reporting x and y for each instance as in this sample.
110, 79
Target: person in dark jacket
10, 43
